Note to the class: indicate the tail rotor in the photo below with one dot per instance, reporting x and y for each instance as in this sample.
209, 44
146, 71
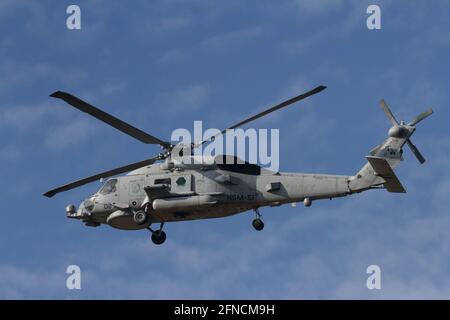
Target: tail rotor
403, 130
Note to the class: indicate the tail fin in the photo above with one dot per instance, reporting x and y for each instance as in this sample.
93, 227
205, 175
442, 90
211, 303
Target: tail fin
384, 170
378, 171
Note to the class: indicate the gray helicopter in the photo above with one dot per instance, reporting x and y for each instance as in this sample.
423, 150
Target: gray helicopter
214, 187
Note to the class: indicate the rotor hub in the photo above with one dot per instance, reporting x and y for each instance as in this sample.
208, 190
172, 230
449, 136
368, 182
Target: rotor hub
398, 131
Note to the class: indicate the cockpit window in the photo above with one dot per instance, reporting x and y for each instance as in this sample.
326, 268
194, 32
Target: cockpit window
109, 187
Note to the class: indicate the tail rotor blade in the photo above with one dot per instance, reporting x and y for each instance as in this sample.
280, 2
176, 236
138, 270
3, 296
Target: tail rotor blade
388, 112
415, 151
420, 117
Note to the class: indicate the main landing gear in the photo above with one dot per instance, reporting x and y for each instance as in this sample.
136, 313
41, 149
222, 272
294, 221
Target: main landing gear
257, 223
158, 236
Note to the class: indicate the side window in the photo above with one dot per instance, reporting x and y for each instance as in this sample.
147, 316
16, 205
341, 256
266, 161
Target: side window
163, 181
109, 187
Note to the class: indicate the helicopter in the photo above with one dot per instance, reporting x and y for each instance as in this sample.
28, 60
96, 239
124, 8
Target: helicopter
164, 189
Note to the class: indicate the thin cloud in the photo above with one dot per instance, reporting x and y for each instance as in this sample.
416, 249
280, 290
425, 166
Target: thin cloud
314, 7
174, 55
63, 136
174, 23
231, 38
187, 99
10, 153
23, 117
217, 42
19, 283
49, 125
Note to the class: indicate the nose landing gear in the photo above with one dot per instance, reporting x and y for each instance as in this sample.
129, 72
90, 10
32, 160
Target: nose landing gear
158, 236
257, 223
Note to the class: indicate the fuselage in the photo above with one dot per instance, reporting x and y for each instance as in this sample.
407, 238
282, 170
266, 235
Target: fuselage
204, 192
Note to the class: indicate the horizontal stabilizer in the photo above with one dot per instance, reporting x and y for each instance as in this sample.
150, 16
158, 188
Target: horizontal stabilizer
384, 170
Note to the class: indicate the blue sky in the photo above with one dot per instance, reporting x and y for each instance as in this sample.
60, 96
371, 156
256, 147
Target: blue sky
160, 65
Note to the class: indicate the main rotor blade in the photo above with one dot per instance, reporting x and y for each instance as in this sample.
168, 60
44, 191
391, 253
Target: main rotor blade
106, 174
388, 112
265, 112
421, 116
415, 151
109, 119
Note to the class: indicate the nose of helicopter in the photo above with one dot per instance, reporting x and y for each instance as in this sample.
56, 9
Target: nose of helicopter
85, 208
95, 204
88, 205
73, 212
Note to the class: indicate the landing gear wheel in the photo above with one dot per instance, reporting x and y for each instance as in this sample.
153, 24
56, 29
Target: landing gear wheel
258, 224
158, 237
140, 217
